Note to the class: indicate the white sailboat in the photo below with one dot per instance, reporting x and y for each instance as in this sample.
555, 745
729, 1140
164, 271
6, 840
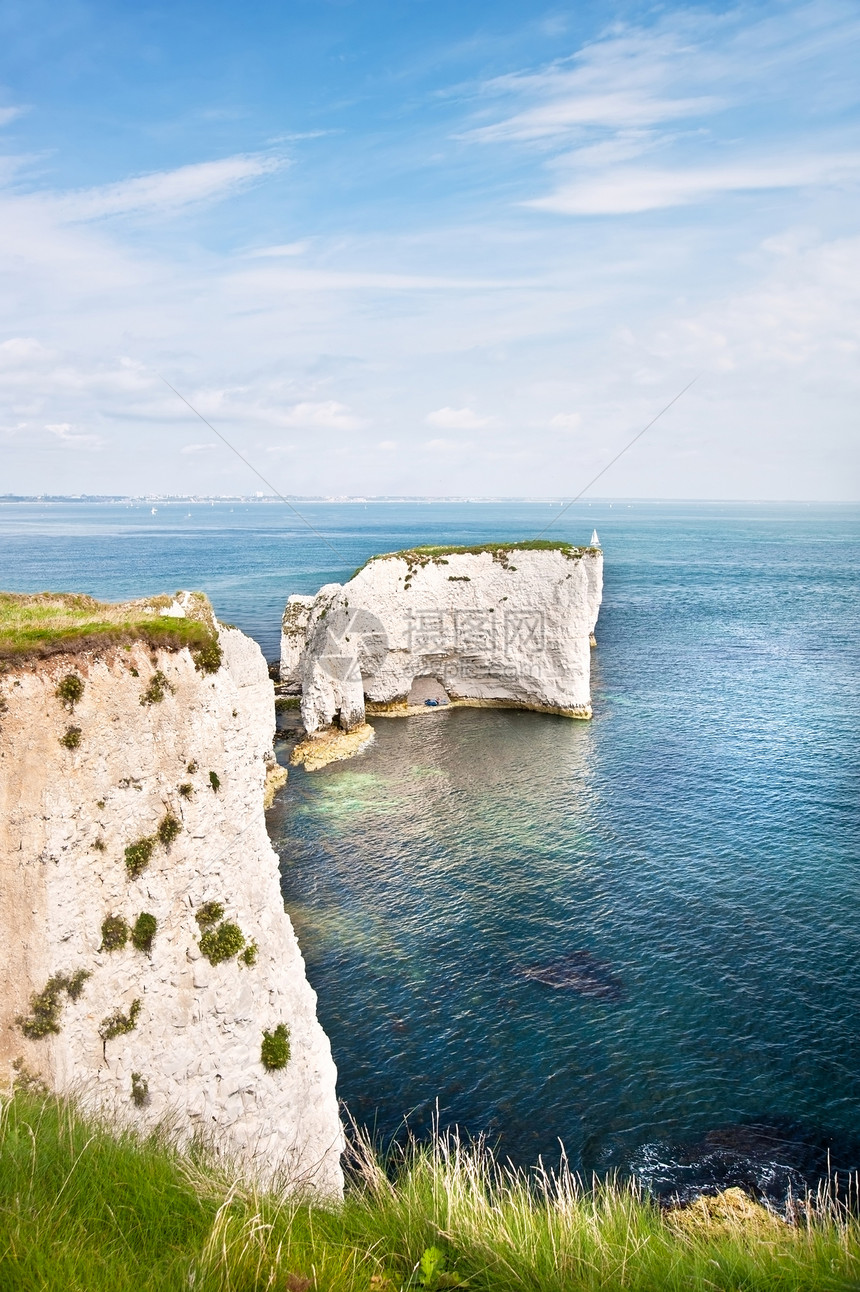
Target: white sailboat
595, 541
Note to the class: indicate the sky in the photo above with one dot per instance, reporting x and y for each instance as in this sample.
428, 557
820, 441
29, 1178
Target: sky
402, 247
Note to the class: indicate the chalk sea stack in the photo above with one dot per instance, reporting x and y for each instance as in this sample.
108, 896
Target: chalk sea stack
507, 625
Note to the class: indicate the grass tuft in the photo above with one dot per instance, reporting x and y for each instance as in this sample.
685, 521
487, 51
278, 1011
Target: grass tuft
70, 690
138, 856
85, 1209
46, 1005
168, 828
275, 1050
52, 623
209, 913
118, 1023
222, 943
115, 933
143, 932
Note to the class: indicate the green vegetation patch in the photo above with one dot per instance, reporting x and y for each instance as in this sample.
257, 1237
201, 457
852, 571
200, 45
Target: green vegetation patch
419, 557
139, 1089
143, 932
84, 1208
138, 855
169, 827
157, 689
119, 1024
275, 1050
209, 913
70, 690
46, 1005
72, 738
115, 933
222, 943
215, 781
53, 623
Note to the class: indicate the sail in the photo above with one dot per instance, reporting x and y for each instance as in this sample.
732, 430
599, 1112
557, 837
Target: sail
595, 541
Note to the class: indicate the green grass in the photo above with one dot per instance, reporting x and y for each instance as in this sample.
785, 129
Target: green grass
51, 623
86, 1210
436, 555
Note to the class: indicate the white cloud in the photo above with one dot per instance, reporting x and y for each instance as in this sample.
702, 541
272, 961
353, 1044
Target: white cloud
456, 419
566, 421
167, 190
76, 439
327, 415
625, 191
198, 448
388, 446
620, 108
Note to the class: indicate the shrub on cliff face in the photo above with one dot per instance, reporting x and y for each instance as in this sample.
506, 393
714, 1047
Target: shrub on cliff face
119, 1024
70, 690
46, 1004
157, 689
209, 913
139, 1089
138, 856
72, 738
209, 658
143, 931
249, 955
215, 781
114, 933
168, 828
275, 1050
222, 943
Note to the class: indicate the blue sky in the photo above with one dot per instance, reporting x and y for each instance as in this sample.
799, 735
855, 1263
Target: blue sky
430, 248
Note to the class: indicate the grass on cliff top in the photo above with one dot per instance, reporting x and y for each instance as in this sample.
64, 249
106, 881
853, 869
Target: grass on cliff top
51, 623
418, 555
86, 1210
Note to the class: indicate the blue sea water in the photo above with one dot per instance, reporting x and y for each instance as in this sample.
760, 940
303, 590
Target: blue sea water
699, 837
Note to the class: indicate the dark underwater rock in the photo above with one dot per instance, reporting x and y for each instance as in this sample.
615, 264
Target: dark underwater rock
578, 971
771, 1161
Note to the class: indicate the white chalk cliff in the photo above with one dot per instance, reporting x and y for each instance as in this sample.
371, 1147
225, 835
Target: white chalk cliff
502, 626
162, 1035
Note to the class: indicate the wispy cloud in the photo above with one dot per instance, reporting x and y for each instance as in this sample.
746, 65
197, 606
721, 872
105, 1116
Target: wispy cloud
283, 249
10, 114
168, 190
625, 190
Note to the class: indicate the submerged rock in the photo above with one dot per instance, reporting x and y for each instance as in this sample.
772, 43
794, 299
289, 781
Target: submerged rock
775, 1162
577, 971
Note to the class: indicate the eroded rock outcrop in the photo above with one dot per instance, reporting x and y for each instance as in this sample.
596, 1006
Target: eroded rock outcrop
497, 625
147, 964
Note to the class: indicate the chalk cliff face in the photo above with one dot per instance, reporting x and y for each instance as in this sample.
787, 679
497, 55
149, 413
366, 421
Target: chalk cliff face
294, 632
502, 626
160, 1033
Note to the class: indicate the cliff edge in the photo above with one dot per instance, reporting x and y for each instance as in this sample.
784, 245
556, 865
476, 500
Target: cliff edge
507, 625
148, 966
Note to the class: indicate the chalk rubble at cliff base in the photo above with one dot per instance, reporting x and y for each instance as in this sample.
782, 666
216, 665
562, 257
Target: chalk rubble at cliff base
158, 1036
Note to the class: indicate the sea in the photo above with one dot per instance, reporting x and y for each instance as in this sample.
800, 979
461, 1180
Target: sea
633, 941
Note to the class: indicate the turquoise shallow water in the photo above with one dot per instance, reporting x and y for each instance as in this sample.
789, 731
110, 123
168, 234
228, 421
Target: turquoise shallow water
699, 838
